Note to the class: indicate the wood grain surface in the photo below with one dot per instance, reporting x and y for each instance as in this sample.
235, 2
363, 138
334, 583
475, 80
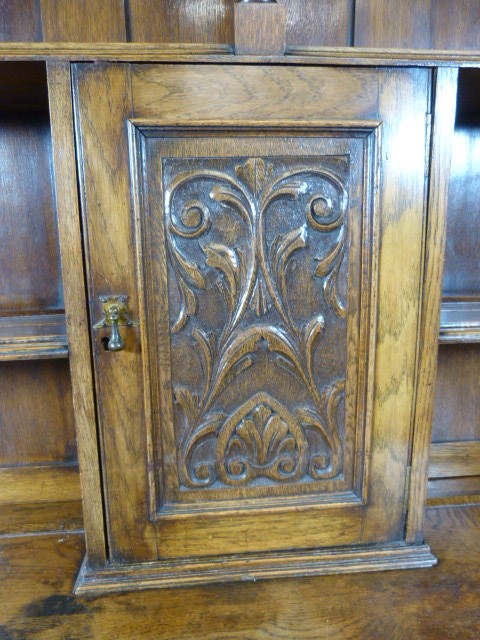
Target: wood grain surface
439, 145
29, 253
457, 403
114, 111
305, 55
33, 337
417, 24
83, 20
439, 24
425, 604
462, 256
37, 414
206, 22
40, 498
111, 269
321, 23
455, 491
259, 28
455, 459
66, 192
392, 24
20, 21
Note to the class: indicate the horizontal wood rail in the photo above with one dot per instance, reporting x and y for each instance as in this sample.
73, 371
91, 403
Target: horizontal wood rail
173, 52
454, 459
460, 322
40, 498
33, 337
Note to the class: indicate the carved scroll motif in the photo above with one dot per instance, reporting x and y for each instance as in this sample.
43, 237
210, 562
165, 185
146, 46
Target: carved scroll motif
260, 438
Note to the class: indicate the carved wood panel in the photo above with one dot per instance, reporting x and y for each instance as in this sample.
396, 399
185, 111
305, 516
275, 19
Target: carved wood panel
263, 288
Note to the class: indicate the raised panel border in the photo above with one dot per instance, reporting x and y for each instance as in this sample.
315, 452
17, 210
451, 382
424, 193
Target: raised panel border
370, 131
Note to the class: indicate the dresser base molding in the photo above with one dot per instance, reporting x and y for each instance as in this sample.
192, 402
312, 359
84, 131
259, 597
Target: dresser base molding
251, 567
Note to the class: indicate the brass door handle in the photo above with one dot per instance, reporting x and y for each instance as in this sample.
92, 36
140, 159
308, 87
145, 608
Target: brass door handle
115, 313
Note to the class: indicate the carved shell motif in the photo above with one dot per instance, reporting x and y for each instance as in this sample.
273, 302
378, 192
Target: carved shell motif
260, 439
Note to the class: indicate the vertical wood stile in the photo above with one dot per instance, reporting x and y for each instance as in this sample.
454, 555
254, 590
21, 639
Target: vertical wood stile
75, 305
441, 147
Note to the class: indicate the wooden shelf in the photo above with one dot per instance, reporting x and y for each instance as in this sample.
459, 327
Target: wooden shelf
455, 459
460, 322
221, 53
33, 337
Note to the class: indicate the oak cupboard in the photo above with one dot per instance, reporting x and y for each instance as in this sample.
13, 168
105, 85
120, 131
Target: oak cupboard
255, 285
38, 447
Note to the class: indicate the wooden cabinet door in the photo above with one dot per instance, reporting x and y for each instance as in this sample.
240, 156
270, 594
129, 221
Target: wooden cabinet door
267, 225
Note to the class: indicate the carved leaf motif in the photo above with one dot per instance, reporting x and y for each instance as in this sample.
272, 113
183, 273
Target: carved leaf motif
322, 465
291, 191
227, 196
260, 302
207, 349
329, 267
265, 440
190, 270
254, 172
225, 260
282, 250
200, 473
284, 246
328, 262
188, 402
248, 341
311, 331
246, 172
188, 306
188, 274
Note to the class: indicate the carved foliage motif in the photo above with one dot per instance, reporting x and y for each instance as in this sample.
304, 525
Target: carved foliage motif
259, 439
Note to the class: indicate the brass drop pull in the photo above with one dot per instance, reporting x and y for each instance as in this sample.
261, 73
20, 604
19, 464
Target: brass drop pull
115, 313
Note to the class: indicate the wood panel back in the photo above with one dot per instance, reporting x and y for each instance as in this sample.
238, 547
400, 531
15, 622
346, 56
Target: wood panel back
40, 498
29, 254
462, 256
206, 22
457, 405
20, 21
417, 24
422, 24
83, 20
36, 413
309, 22
455, 25
392, 24
320, 23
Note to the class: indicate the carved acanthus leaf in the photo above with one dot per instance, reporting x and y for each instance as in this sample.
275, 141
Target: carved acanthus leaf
266, 440
329, 267
249, 341
225, 260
